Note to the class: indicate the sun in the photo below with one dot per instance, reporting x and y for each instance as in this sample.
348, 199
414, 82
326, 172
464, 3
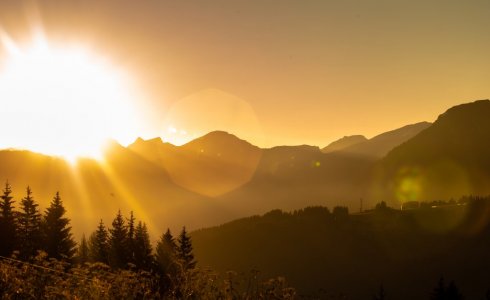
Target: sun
63, 101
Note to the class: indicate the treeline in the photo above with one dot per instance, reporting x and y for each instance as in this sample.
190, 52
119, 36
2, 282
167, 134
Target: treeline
330, 254
40, 260
27, 230
127, 245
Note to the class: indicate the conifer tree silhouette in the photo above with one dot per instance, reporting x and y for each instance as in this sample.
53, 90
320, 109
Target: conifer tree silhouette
380, 295
131, 238
441, 292
142, 247
57, 238
83, 251
166, 250
8, 225
29, 226
99, 244
184, 251
118, 243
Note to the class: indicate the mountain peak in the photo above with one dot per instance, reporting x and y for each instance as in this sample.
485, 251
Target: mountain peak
218, 139
346, 141
467, 110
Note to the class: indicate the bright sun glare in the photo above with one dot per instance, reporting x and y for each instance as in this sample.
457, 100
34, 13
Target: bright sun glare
63, 101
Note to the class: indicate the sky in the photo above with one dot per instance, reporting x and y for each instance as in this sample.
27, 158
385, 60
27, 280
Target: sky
278, 72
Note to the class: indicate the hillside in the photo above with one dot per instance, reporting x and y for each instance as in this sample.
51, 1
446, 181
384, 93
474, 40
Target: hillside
327, 254
346, 141
220, 177
447, 160
378, 146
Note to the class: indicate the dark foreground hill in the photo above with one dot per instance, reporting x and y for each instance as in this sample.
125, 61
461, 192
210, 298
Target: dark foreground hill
327, 254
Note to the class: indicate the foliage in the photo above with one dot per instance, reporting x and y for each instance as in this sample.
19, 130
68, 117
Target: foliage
57, 238
184, 251
29, 226
143, 257
99, 244
48, 279
118, 243
83, 252
8, 225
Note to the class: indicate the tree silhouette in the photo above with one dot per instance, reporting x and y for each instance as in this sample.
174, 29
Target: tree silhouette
118, 243
166, 253
142, 247
57, 238
452, 292
8, 226
441, 292
380, 295
99, 244
131, 238
340, 213
381, 206
83, 251
29, 226
184, 251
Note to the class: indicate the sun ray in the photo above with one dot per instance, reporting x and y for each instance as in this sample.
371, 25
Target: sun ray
70, 101
127, 196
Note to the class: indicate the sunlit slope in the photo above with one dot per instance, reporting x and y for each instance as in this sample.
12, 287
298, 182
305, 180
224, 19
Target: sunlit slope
378, 146
211, 165
245, 179
345, 142
447, 160
92, 190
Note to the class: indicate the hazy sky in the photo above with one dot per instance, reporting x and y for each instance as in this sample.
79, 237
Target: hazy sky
282, 71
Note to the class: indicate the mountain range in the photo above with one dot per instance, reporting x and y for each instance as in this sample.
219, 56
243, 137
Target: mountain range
219, 177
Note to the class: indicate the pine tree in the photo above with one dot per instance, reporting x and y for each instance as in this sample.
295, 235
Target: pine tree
57, 238
8, 225
381, 295
184, 251
83, 251
439, 292
29, 226
452, 292
118, 243
142, 247
131, 238
99, 244
166, 252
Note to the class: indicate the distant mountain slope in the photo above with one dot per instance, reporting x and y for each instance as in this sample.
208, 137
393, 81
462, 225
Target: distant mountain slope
211, 165
346, 141
380, 145
219, 177
448, 159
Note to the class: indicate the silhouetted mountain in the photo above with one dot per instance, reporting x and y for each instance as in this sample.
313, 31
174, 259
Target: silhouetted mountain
219, 177
380, 145
293, 176
211, 165
448, 159
346, 141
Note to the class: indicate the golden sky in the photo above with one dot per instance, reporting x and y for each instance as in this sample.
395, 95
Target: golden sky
279, 72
